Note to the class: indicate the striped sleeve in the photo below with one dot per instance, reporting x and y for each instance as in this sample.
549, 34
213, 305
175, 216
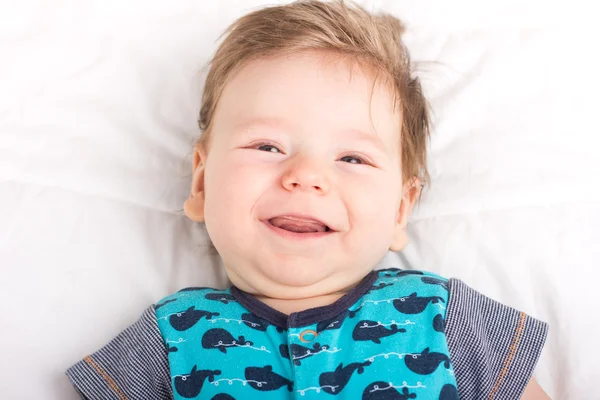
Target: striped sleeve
493, 348
132, 366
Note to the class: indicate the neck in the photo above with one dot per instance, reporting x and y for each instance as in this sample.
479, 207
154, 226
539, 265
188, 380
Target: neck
288, 300
289, 306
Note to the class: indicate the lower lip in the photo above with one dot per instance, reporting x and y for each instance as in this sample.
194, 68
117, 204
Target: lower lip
296, 235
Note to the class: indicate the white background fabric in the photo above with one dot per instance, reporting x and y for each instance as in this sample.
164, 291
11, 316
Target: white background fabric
98, 110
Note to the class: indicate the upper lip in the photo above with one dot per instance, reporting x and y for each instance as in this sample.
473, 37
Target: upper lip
302, 216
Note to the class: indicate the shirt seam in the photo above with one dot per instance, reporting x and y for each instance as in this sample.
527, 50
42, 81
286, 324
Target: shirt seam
111, 383
510, 356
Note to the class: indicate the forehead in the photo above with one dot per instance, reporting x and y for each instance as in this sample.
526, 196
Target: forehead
313, 91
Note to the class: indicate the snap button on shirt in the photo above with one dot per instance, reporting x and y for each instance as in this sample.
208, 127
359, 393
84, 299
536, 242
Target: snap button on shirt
308, 335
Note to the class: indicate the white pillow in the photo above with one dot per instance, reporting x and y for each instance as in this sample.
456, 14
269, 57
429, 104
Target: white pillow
98, 112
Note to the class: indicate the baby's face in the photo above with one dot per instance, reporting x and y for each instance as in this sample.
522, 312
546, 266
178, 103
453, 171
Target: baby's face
302, 181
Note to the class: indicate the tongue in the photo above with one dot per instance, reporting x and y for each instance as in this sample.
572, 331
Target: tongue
297, 224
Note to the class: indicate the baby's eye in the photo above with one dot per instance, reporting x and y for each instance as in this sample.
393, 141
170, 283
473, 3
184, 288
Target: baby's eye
269, 147
265, 145
353, 160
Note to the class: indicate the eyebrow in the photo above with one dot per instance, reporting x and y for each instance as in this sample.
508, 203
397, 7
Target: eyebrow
276, 123
259, 122
372, 138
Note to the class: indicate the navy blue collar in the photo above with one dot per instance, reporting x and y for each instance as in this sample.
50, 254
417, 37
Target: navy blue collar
309, 316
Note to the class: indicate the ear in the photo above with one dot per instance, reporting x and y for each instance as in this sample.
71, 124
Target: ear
411, 192
194, 205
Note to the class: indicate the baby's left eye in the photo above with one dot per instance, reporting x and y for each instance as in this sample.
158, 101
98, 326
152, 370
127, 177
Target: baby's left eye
352, 160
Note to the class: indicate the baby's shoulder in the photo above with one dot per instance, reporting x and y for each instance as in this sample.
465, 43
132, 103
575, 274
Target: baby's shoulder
409, 279
399, 272
193, 295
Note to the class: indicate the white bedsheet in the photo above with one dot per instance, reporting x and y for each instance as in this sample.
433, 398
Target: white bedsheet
98, 110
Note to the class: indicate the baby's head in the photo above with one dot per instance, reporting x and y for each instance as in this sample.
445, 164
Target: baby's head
313, 149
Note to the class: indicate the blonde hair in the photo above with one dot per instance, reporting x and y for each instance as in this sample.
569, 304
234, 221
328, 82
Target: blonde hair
350, 32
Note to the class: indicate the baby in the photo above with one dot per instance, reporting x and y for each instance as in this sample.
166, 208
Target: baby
312, 156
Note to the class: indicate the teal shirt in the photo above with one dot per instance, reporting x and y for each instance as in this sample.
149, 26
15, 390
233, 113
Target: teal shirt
382, 340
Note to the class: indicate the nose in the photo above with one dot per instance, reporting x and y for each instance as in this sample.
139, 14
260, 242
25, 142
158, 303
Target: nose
306, 174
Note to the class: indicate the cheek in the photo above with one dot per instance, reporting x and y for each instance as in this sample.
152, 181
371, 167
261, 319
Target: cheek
372, 208
232, 188
374, 203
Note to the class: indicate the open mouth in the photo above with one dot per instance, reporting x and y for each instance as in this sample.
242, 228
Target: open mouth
299, 225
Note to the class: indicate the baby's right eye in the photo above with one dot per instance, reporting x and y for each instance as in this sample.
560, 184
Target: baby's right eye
266, 146
269, 147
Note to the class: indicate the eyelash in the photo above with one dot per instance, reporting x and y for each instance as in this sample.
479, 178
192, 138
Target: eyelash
258, 145
362, 160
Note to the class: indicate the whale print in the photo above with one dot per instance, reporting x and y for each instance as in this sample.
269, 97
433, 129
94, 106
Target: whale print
396, 272
414, 304
435, 281
264, 379
449, 392
258, 323
194, 288
222, 396
189, 386
219, 338
334, 382
438, 323
388, 270
332, 323
222, 297
373, 330
184, 320
254, 322
284, 351
384, 391
426, 363
300, 352
171, 349
336, 322
382, 285
164, 303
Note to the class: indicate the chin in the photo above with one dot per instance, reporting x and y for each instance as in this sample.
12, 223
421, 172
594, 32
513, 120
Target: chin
296, 274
